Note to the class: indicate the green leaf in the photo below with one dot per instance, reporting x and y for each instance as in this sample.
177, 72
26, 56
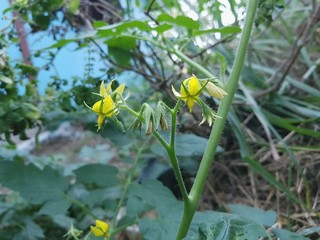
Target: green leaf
59, 206
191, 145
6, 79
30, 111
100, 153
30, 231
116, 29
285, 234
122, 42
163, 27
27, 69
224, 30
309, 231
224, 226
158, 229
136, 206
155, 194
187, 22
183, 21
99, 24
97, 196
168, 210
73, 6
286, 124
223, 65
33, 230
265, 218
98, 174
60, 43
120, 56
37, 186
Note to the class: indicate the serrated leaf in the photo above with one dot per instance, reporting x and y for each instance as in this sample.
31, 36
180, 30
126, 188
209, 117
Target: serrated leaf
58, 205
155, 194
98, 174
33, 230
224, 226
191, 145
35, 185
158, 229
100, 153
265, 218
135, 206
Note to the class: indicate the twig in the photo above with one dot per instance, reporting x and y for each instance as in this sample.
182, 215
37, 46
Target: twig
284, 69
105, 55
224, 40
148, 12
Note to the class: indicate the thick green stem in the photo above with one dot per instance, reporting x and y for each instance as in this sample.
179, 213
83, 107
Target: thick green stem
207, 159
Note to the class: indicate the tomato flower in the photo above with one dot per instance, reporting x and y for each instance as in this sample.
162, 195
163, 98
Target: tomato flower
189, 91
191, 88
104, 108
101, 229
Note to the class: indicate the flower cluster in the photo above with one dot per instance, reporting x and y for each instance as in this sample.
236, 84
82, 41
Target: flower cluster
100, 229
190, 91
107, 107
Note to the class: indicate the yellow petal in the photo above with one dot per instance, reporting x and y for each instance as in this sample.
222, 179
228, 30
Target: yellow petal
194, 86
97, 231
190, 103
120, 89
100, 121
184, 89
96, 107
108, 106
104, 107
108, 88
102, 225
103, 92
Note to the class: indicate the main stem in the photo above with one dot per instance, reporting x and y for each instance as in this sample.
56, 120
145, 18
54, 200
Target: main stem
194, 197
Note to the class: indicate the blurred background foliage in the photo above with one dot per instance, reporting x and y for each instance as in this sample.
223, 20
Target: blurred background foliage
270, 151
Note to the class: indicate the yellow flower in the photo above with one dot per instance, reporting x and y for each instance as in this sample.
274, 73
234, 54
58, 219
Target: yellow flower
101, 229
104, 108
104, 92
189, 91
214, 90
